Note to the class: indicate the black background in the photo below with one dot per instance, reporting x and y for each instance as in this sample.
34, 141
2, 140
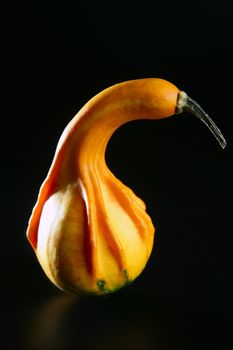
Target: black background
55, 57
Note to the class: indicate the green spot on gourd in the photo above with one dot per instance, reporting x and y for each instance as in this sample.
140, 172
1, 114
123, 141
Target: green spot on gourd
126, 277
101, 284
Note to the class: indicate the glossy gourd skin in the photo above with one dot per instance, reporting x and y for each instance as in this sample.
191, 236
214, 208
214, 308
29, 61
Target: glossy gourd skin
90, 232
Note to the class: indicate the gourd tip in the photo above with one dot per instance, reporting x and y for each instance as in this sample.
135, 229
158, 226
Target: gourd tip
186, 104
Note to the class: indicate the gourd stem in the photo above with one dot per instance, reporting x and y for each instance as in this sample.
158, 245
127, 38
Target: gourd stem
186, 104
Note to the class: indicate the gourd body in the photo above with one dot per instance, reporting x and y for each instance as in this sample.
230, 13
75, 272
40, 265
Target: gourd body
90, 232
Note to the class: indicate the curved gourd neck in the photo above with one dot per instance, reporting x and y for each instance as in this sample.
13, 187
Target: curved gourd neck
89, 132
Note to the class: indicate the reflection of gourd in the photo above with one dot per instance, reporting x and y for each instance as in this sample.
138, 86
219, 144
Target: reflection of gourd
89, 231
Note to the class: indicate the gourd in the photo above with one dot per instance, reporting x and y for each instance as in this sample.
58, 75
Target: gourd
89, 231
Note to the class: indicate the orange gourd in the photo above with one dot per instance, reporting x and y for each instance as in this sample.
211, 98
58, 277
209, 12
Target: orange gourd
89, 231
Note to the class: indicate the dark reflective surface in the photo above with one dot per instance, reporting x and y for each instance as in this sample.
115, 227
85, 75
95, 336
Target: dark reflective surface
64, 323
35, 315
